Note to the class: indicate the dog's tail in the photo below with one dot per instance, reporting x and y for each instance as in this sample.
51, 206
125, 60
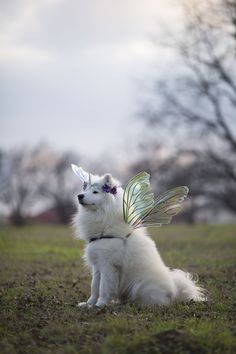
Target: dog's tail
187, 288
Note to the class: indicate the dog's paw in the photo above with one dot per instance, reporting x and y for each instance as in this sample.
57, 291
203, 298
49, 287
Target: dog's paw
92, 301
82, 304
100, 304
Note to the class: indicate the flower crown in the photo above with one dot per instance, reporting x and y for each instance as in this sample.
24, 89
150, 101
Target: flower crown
108, 189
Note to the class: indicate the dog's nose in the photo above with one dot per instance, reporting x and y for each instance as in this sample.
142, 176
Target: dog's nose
80, 197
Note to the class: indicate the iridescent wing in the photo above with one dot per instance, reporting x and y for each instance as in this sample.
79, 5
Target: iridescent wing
166, 206
137, 199
140, 209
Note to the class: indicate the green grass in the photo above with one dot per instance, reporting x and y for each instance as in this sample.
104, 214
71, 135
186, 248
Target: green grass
42, 278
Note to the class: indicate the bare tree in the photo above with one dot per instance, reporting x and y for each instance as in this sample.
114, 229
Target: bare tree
58, 185
200, 100
37, 179
18, 184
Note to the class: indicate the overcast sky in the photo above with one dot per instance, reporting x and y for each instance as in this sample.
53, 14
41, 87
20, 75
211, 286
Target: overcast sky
69, 69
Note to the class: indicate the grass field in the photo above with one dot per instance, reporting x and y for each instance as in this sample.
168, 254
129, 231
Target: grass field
42, 279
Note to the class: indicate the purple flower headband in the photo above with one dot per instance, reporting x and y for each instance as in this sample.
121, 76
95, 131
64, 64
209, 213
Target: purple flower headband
108, 189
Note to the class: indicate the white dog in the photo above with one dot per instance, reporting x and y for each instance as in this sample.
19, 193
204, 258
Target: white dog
125, 263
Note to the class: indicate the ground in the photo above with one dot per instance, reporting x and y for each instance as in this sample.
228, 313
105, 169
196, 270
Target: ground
42, 278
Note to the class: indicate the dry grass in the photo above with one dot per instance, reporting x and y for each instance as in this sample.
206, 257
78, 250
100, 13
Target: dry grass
42, 279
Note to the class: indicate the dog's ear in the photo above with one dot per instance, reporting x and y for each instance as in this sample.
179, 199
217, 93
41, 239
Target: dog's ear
107, 179
83, 175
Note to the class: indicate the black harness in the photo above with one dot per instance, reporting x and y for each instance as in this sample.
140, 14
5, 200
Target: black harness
102, 237
99, 238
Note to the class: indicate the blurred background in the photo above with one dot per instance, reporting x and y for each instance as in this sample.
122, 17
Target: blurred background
120, 87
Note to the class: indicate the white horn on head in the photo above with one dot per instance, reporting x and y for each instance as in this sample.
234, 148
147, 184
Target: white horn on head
83, 175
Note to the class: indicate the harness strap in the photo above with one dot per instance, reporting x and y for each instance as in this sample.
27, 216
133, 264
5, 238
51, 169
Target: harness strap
99, 238
102, 237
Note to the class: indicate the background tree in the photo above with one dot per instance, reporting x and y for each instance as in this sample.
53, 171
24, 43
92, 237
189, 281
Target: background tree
197, 104
59, 185
35, 180
18, 184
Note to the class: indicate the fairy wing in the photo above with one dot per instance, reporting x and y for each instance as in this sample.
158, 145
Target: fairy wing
140, 209
166, 206
137, 199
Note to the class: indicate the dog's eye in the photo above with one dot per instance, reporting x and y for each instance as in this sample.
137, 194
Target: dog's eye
95, 192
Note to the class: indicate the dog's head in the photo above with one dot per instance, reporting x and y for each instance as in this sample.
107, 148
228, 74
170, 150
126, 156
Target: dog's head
97, 191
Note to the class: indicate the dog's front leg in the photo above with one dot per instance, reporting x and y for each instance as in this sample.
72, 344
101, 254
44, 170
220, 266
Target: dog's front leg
109, 286
94, 289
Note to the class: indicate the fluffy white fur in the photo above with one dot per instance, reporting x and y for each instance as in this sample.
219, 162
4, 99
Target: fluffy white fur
125, 269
